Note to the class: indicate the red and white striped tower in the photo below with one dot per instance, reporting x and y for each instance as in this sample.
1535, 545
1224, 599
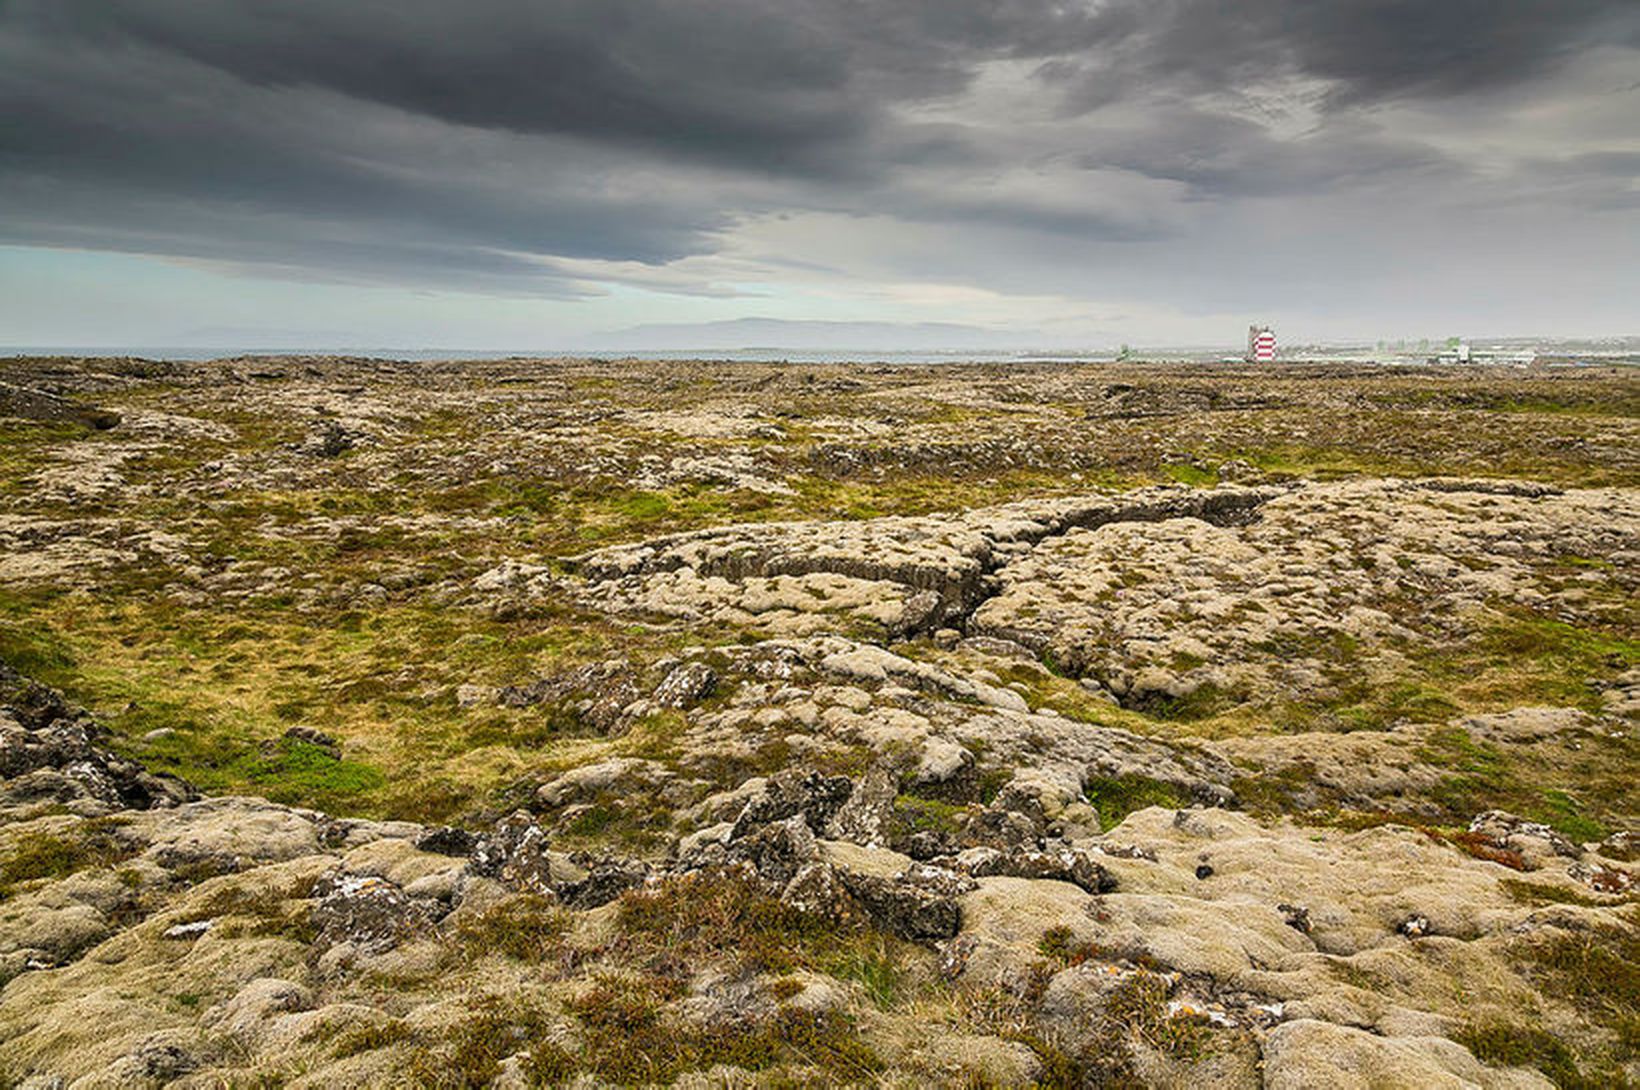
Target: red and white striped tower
1264, 348
1261, 344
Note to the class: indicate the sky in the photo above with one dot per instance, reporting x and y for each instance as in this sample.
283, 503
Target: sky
547, 174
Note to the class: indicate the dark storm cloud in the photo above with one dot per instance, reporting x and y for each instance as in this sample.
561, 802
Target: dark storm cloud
1224, 157
437, 142
1366, 50
745, 81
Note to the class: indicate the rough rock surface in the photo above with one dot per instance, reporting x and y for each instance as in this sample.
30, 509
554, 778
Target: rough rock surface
1156, 611
604, 723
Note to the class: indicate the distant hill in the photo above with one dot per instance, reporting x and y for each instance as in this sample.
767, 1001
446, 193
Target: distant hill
742, 333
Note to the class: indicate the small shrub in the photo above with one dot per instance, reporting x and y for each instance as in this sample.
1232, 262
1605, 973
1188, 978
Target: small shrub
528, 928
1477, 845
1059, 944
872, 964
362, 1039
472, 1053
710, 914
1139, 1007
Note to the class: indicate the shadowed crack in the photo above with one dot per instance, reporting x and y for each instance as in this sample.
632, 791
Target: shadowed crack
951, 556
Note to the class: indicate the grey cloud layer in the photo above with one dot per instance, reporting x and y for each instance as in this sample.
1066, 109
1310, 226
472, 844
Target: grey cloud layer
432, 142
1366, 50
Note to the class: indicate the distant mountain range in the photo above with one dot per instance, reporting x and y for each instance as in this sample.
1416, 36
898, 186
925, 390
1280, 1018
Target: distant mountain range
744, 333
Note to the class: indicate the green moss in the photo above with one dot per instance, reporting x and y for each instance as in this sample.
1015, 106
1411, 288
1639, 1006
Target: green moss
1454, 748
1326, 463
1202, 702
1485, 777
1510, 1045
1540, 893
217, 683
1514, 659
296, 771
1047, 684
1560, 810
41, 856
655, 736
28, 446
1591, 563
1117, 797
1192, 475
1269, 794
914, 814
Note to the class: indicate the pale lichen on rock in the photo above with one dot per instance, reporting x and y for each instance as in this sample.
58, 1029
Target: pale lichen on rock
581, 722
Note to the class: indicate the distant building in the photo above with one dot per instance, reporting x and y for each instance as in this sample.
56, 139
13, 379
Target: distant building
1457, 351
1261, 344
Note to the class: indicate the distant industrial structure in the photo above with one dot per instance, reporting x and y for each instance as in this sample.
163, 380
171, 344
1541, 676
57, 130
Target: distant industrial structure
1457, 351
1261, 344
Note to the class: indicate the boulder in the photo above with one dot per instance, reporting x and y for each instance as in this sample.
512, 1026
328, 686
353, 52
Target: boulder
368, 913
446, 840
685, 686
605, 878
1058, 862
515, 852
778, 850
793, 792
864, 818
919, 905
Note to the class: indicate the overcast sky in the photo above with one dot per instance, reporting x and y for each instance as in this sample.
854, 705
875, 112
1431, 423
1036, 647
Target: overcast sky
528, 173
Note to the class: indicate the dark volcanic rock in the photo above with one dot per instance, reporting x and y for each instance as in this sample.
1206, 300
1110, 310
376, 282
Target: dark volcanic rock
598, 694
365, 911
329, 440
865, 817
796, 791
921, 909
607, 877
32, 404
686, 686
515, 852
777, 851
446, 840
48, 750
816, 888
1060, 863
